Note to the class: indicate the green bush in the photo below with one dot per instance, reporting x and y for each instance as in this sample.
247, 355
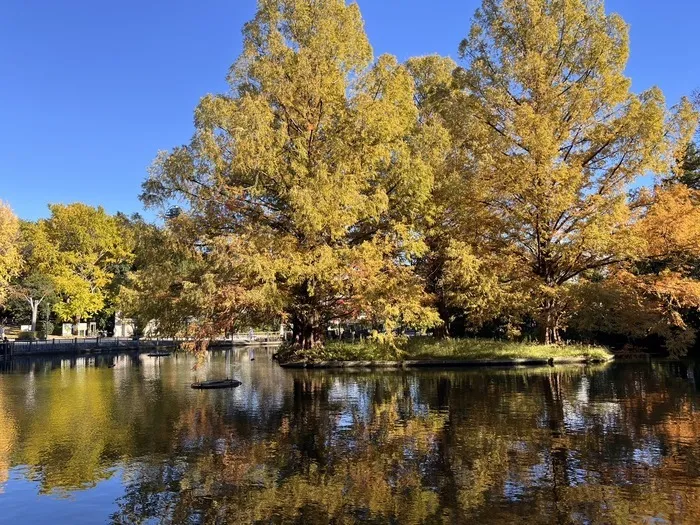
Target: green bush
27, 336
46, 328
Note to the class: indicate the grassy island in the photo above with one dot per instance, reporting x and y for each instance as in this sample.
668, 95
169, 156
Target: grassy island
440, 352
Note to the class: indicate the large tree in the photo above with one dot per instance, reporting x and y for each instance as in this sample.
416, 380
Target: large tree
549, 140
33, 285
434, 93
302, 187
33, 289
10, 257
77, 247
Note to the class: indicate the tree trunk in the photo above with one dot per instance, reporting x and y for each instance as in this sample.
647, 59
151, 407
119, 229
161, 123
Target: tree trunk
34, 305
35, 314
307, 331
434, 276
306, 318
443, 330
76, 323
549, 323
305, 336
551, 335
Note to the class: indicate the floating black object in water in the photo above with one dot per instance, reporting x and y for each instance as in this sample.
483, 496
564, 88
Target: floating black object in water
159, 354
224, 383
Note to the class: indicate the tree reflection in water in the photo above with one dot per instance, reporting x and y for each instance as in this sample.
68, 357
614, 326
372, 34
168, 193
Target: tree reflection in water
556, 445
8, 435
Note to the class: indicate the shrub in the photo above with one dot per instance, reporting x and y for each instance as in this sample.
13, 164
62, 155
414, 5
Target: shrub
47, 328
27, 336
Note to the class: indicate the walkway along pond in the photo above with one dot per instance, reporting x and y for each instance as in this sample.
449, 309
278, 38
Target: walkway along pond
124, 439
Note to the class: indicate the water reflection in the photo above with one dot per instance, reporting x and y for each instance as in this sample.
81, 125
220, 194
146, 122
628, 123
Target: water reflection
617, 444
8, 435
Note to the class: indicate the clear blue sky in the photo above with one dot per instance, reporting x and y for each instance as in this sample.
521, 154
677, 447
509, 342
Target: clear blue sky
90, 90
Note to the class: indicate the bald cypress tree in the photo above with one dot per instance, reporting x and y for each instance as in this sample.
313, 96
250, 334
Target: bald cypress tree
550, 139
302, 186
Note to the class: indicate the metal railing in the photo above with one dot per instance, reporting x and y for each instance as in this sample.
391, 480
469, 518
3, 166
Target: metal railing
87, 344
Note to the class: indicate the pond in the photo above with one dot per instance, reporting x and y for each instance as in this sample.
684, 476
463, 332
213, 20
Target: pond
124, 439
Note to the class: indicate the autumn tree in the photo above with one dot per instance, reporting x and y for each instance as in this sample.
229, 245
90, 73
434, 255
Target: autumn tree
434, 94
303, 185
77, 248
464, 278
31, 287
168, 281
10, 257
652, 295
548, 142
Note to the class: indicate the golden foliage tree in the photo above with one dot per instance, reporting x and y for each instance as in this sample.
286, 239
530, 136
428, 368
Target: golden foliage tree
10, 257
77, 248
547, 142
649, 296
304, 184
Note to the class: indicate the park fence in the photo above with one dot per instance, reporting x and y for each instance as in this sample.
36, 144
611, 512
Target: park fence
79, 345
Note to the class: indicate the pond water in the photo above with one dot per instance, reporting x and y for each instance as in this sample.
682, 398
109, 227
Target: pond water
123, 439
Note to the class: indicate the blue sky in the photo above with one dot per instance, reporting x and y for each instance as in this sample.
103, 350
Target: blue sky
91, 90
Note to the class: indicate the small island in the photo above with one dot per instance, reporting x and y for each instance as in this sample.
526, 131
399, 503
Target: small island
431, 352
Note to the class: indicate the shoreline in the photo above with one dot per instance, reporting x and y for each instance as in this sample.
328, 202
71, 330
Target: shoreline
443, 363
428, 352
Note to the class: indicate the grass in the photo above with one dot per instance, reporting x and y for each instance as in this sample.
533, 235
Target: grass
426, 348
489, 349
